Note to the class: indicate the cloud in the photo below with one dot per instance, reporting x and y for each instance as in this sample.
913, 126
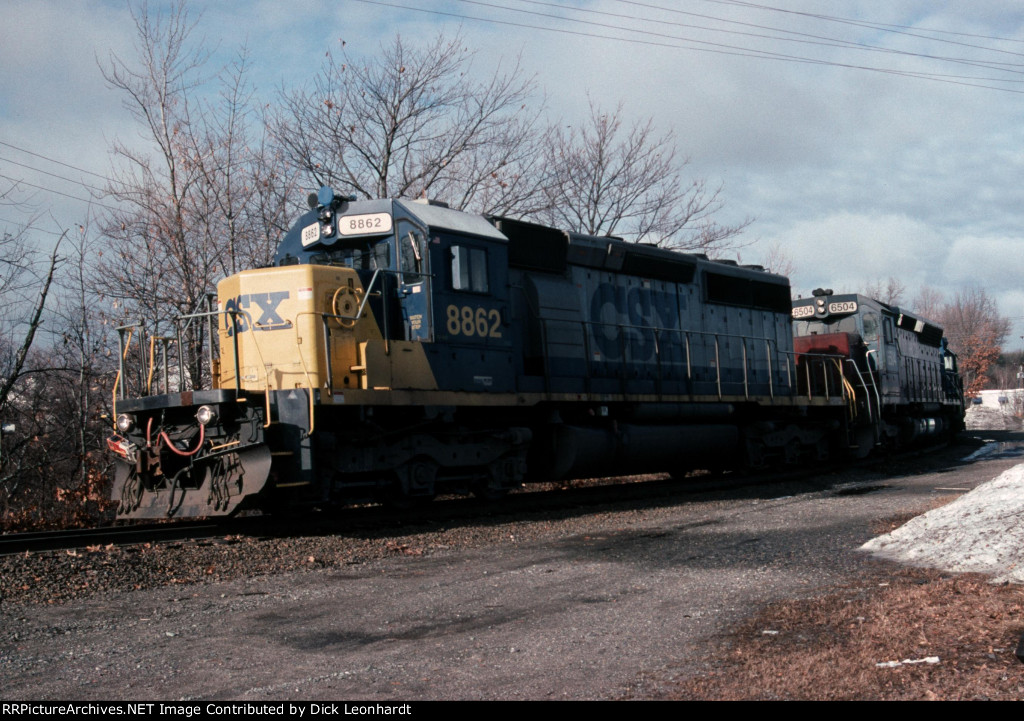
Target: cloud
51, 85
859, 174
847, 251
986, 260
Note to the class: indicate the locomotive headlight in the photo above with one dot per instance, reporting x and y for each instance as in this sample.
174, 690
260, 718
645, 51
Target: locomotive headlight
206, 415
125, 422
326, 228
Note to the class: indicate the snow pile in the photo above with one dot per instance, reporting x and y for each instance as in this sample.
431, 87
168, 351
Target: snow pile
991, 419
980, 532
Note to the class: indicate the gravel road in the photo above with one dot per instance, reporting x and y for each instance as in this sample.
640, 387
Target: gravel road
605, 603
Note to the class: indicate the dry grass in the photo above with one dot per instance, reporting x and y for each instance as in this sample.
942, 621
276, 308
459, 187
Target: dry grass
829, 648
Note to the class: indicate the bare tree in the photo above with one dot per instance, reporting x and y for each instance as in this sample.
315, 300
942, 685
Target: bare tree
974, 327
79, 352
777, 260
187, 200
413, 121
888, 291
25, 333
54, 471
157, 268
610, 178
241, 199
26, 283
1005, 374
24, 288
928, 303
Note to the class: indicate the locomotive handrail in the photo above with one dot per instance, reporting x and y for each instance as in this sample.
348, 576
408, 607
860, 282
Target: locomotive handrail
123, 347
875, 385
689, 367
587, 327
362, 303
164, 341
746, 386
711, 341
718, 370
179, 330
122, 352
234, 337
821, 361
377, 272
873, 373
250, 328
325, 318
860, 377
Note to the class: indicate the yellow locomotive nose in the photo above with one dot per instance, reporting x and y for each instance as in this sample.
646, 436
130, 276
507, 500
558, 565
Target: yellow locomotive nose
292, 327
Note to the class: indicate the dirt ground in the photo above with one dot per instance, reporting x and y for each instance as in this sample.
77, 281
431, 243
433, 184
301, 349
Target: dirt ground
757, 593
919, 634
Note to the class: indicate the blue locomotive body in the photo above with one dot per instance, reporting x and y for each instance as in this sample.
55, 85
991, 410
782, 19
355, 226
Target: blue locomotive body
904, 379
397, 349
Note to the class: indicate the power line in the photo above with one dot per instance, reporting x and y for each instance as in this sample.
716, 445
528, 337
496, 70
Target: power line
704, 46
82, 183
888, 27
53, 175
53, 160
91, 201
29, 227
820, 39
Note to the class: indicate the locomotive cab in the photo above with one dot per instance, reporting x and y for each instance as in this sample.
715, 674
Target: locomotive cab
419, 274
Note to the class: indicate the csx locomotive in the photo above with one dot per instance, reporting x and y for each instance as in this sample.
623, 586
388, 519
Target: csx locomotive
397, 349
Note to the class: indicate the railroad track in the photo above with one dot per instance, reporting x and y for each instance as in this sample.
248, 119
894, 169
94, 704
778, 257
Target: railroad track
14, 543
580, 495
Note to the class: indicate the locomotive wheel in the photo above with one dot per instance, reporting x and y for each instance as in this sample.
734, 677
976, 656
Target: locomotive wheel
394, 498
865, 443
502, 475
483, 490
491, 487
412, 485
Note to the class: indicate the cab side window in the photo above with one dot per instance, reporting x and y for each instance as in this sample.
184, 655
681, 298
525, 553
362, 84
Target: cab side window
412, 255
870, 328
469, 269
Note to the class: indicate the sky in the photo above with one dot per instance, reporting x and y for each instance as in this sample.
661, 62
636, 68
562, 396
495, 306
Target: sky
864, 139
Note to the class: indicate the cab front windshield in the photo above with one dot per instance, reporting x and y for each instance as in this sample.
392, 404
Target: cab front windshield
848, 324
368, 254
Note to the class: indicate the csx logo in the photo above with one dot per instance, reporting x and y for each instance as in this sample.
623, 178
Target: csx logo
245, 307
635, 321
